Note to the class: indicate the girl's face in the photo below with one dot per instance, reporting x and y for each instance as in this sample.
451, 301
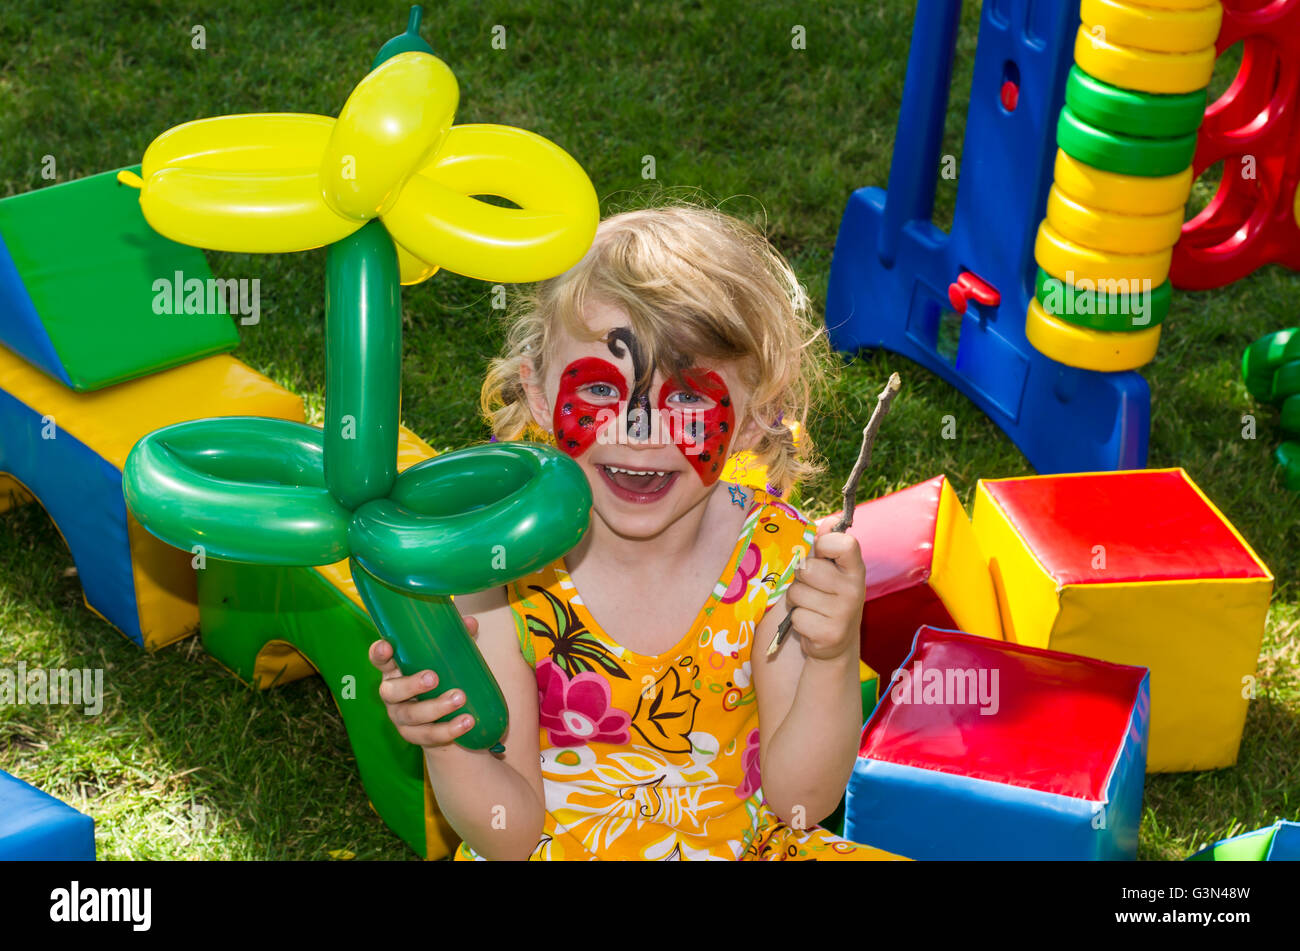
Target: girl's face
650, 455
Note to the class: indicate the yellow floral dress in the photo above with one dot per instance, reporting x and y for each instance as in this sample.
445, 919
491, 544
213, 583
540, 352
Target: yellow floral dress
657, 757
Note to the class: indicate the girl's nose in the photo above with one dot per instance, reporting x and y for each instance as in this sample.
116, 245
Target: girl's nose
646, 426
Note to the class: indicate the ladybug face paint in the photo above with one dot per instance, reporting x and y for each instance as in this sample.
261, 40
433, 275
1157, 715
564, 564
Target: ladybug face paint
703, 435
577, 420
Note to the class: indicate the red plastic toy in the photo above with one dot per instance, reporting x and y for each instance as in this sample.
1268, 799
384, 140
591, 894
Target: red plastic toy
1252, 220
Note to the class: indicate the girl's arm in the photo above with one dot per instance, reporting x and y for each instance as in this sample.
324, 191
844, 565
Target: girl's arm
809, 698
495, 803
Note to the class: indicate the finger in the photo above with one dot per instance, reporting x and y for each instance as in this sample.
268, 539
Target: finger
471, 625
827, 525
842, 549
401, 689
420, 713
438, 734
800, 595
381, 656
808, 624
825, 576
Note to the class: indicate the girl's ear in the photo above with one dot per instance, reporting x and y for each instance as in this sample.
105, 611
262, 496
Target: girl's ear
537, 402
748, 435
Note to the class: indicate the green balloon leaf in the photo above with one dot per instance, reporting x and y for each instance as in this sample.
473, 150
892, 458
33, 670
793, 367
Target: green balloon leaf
246, 489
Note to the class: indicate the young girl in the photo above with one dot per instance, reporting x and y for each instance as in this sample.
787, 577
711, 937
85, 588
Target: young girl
646, 721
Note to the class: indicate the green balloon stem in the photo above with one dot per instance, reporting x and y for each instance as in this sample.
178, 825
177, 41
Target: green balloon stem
427, 633
363, 366
408, 42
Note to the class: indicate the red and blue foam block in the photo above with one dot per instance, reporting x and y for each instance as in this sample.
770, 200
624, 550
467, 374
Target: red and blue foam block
34, 825
983, 749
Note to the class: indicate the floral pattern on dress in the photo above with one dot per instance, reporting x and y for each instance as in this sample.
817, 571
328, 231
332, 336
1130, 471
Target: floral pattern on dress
749, 759
678, 777
575, 711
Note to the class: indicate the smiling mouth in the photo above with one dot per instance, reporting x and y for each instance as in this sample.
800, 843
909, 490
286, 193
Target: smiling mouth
638, 485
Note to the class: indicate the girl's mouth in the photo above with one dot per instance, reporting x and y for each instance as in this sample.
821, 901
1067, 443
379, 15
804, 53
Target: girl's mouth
640, 486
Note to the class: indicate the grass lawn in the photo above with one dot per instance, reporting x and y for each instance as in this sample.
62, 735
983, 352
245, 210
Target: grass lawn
184, 762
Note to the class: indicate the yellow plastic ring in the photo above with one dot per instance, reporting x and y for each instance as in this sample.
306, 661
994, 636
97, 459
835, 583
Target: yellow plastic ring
1070, 262
1089, 349
1166, 31
1110, 231
1126, 194
1144, 70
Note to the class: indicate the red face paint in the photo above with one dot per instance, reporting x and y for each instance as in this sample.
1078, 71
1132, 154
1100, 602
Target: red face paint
703, 436
576, 420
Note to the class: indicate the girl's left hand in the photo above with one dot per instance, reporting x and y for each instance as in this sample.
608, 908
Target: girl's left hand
827, 594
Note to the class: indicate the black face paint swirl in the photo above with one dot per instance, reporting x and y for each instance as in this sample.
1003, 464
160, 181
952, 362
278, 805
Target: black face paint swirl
621, 342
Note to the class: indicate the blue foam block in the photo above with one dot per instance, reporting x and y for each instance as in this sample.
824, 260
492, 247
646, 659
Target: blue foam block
82, 492
36, 826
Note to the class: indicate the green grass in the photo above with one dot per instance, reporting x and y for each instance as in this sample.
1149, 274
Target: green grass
186, 762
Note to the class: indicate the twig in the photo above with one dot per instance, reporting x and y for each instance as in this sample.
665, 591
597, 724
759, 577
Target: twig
850, 495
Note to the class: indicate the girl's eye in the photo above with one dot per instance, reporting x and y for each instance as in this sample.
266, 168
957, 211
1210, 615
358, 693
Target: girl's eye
600, 390
685, 396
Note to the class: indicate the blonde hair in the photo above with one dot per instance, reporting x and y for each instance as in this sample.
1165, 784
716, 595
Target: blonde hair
698, 285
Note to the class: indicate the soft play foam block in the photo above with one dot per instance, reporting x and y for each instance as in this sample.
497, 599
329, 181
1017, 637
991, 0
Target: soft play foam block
1135, 568
35, 825
1279, 842
67, 450
923, 567
983, 749
80, 296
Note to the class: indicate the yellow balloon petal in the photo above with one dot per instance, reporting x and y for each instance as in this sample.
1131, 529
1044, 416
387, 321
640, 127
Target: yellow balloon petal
391, 125
436, 219
241, 211
413, 270
259, 142
247, 183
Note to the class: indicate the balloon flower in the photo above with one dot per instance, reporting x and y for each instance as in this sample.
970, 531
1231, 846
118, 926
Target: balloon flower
389, 187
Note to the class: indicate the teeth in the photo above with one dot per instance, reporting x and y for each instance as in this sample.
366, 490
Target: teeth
636, 472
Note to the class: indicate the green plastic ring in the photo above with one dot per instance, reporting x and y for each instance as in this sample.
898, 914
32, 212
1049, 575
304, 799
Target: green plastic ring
1286, 382
1143, 114
1290, 419
1261, 359
1123, 154
1287, 456
1102, 309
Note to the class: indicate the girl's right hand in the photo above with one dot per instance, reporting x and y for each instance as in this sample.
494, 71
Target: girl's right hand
416, 720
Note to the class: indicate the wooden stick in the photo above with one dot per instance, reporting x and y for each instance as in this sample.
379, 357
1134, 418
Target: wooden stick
850, 494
